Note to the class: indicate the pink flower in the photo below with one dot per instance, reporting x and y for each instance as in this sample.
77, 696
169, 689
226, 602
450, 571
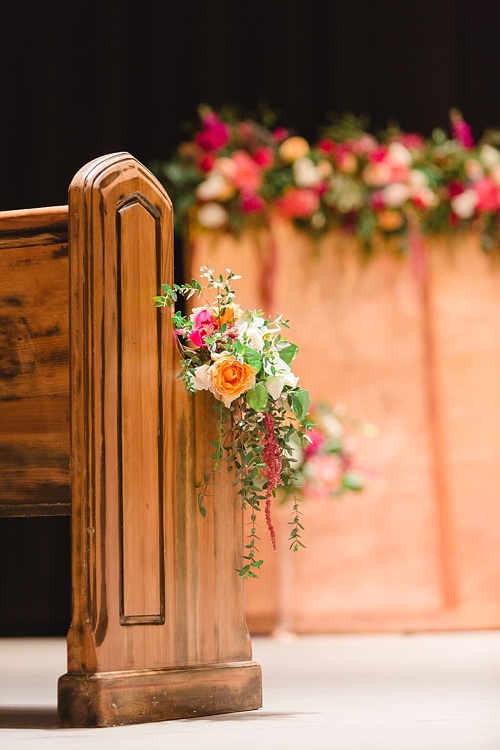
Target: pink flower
487, 194
279, 134
317, 440
299, 203
215, 135
455, 188
204, 326
251, 203
264, 156
323, 475
247, 174
411, 141
245, 130
378, 154
327, 146
461, 130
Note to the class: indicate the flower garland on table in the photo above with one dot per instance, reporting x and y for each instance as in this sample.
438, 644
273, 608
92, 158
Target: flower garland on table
238, 173
325, 468
243, 360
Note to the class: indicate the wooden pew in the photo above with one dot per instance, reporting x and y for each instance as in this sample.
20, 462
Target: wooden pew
94, 421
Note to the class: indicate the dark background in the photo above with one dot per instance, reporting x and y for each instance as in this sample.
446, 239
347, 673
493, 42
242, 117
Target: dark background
81, 79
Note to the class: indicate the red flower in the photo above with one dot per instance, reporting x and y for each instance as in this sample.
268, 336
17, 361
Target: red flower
206, 162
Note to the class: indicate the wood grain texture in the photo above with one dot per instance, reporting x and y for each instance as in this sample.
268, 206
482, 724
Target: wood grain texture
34, 362
154, 583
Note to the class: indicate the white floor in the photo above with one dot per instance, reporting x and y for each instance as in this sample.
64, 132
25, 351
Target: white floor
379, 692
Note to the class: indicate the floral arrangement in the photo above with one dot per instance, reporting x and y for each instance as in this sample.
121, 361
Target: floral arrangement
324, 468
244, 361
237, 173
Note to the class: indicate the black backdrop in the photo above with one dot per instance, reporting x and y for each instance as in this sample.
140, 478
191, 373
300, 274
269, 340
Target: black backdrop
80, 79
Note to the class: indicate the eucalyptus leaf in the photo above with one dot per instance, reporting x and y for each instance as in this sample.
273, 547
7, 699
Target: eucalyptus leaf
256, 397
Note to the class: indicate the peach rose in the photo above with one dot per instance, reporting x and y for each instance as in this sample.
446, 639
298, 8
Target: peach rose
293, 148
230, 378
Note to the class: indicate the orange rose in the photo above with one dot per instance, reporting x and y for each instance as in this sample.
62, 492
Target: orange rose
230, 378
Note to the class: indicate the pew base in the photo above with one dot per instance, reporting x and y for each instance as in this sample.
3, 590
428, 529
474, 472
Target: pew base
107, 699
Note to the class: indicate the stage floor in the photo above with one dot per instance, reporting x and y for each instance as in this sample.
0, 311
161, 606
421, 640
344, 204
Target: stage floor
375, 692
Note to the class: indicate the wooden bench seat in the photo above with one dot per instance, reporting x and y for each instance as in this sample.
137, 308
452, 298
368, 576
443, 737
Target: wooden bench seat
93, 421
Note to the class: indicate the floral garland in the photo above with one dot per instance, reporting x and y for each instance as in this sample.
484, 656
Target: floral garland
238, 173
243, 360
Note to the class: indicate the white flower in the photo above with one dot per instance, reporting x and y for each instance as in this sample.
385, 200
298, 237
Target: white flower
489, 156
418, 178
395, 194
400, 153
212, 215
473, 169
464, 204
211, 188
201, 380
305, 173
279, 376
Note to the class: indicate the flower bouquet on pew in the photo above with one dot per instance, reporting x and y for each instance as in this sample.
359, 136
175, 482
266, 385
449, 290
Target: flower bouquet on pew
325, 467
242, 358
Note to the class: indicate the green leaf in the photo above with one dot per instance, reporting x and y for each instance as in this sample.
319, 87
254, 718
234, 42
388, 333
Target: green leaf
256, 397
252, 357
288, 352
300, 402
352, 480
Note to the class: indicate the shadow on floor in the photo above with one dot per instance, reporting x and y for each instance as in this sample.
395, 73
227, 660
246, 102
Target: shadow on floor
28, 717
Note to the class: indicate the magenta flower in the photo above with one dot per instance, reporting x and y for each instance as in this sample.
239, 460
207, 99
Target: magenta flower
215, 135
251, 203
204, 326
264, 156
461, 130
317, 440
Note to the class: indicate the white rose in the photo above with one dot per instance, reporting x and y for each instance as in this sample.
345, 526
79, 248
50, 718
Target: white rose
212, 215
395, 194
418, 179
305, 173
464, 204
211, 188
201, 380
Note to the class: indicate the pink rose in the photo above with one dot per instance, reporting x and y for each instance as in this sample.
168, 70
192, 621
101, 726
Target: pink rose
251, 203
264, 156
215, 135
411, 141
299, 203
247, 175
379, 154
487, 194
